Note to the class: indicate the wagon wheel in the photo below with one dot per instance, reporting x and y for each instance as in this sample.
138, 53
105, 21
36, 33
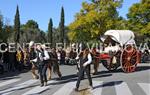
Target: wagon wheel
129, 59
112, 66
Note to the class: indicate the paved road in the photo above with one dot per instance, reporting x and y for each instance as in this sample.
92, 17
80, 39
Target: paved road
105, 83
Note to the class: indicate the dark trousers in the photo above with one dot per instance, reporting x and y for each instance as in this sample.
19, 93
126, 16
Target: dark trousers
12, 66
19, 65
42, 72
1, 69
62, 61
81, 74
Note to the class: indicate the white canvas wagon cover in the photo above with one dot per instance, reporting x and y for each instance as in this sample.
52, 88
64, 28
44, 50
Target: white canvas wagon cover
120, 36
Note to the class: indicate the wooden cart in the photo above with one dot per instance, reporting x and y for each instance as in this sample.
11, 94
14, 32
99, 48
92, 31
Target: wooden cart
119, 50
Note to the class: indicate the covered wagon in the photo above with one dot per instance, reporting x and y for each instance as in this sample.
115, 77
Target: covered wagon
119, 49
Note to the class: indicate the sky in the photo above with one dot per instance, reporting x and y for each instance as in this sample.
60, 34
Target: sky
42, 10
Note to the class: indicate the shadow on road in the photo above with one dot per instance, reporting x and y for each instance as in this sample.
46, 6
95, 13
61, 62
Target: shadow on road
65, 79
12, 75
107, 84
142, 68
101, 75
73, 77
109, 72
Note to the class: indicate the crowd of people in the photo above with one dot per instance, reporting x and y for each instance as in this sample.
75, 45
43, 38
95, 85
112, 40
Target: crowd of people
38, 58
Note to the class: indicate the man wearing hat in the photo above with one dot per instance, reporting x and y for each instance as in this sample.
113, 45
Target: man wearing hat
41, 60
32, 54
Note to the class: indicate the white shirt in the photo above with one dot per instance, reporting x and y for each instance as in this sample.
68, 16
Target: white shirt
46, 57
88, 61
58, 55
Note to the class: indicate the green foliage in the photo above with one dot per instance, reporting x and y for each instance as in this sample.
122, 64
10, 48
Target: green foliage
17, 25
50, 32
31, 24
56, 35
28, 35
139, 17
30, 32
5, 30
1, 28
1, 23
62, 26
94, 19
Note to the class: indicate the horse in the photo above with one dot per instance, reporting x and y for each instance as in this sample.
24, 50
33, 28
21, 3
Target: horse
53, 64
95, 60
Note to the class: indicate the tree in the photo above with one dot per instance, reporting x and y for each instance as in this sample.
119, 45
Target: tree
1, 23
139, 17
62, 26
56, 35
94, 19
1, 26
7, 32
17, 25
5, 29
31, 24
28, 35
31, 32
50, 31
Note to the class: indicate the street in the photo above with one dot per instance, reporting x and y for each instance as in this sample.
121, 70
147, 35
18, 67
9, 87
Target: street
105, 83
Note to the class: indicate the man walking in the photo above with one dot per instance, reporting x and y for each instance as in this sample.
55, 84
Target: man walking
85, 59
41, 60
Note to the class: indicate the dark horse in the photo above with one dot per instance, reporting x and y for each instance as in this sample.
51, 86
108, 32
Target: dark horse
52, 63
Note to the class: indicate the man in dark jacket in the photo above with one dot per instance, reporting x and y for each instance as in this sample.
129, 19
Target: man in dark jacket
41, 58
85, 59
62, 56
